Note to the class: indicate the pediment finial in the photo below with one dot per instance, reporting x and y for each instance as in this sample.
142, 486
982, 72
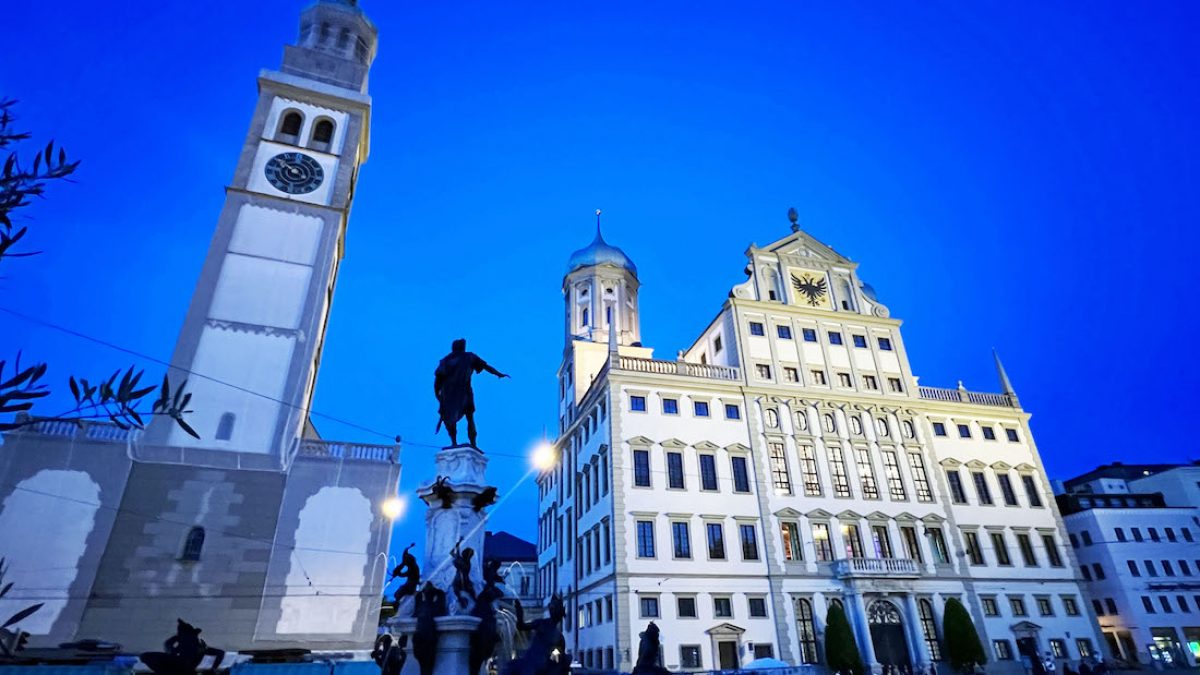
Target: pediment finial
794, 217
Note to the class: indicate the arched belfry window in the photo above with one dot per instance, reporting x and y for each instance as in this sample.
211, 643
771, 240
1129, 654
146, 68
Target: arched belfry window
193, 545
584, 318
225, 427
322, 135
289, 127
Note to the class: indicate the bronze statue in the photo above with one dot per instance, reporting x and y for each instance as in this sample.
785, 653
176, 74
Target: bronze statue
486, 635
546, 638
182, 652
649, 659
442, 490
430, 604
412, 575
452, 386
463, 586
484, 499
491, 574
389, 657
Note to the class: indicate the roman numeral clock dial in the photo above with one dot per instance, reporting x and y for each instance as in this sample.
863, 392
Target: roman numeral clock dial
294, 173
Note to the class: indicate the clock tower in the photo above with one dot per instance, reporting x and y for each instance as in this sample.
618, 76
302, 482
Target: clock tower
251, 342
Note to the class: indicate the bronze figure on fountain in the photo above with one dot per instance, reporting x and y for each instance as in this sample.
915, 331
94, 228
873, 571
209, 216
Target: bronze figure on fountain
452, 386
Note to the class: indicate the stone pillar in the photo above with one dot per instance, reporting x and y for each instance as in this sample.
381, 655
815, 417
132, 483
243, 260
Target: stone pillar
857, 610
912, 619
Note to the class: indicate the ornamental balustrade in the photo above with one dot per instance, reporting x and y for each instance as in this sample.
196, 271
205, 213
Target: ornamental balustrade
703, 370
965, 396
876, 567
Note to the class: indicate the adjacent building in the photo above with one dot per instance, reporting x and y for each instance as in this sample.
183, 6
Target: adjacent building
786, 460
260, 532
1136, 533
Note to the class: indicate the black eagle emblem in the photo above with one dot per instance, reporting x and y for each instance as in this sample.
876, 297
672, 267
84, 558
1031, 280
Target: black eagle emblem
813, 289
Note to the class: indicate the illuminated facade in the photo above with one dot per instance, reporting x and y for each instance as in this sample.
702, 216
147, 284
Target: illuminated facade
788, 459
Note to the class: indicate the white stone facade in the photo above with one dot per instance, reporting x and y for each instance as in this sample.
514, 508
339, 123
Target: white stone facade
789, 459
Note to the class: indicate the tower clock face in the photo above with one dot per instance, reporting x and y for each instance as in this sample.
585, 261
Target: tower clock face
294, 173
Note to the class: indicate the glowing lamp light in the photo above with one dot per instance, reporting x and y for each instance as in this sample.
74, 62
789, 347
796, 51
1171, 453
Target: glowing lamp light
544, 457
394, 508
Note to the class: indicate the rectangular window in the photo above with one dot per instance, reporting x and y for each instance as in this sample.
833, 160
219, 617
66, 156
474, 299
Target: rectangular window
1153, 534
1026, 546
810, 335
1184, 569
808, 471
757, 328
1084, 645
685, 607
741, 477
681, 542
637, 403
1052, 553
891, 471
885, 344
1000, 548
708, 472
1148, 605
1011, 434
837, 472
981, 488
1167, 569
1017, 605
853, 541
939, 429
779, 470
937, 542
715, 534
1087, 573
700, 408
649, 607
964, 431
1097, 607
675, 470
758, 608
793, 549
1087, 537
1002, 649
670, 406
717, 345
689, 656
1070, 606
1137, 534
1133, 568
1058, 648
822, 545
818, 377
990, 608
1120, 532
1170, 534
912, 545
866, 473
641, 468
882, 541
749, 542
763, 371
1110, 605
784, 332
989, 434
860, 341
1150, 569
835, 338
1166, 604
869, 382
1006, 489
957, 494
1045, 607
974, 552
844, 379
732, 412
790, 374
723, 607
916, 464
895, 385
645, 538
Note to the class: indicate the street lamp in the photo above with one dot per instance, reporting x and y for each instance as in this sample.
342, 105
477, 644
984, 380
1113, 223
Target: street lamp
394, 507
543, 456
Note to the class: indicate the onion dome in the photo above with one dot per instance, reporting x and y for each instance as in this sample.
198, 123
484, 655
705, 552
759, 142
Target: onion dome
600, 252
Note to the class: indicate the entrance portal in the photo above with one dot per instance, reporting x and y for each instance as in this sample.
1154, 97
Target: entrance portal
727, 654
887, 634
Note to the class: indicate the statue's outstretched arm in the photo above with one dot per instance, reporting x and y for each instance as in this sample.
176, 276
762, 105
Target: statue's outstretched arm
490, 369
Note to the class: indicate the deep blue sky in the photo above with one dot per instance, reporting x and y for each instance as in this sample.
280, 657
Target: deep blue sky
1013, 175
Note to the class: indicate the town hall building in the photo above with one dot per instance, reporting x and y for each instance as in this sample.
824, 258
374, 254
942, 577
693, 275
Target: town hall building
786, 460
260, 532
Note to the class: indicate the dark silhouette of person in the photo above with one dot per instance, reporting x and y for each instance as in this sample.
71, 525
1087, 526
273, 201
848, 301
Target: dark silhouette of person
452, 386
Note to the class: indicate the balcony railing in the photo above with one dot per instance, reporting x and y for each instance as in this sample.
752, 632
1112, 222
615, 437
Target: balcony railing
704, 370
340, 450
90, 430
964, 396
876, 567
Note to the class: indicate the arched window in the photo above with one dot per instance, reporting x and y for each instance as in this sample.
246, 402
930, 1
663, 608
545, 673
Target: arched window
929, 629
856, 426
835, 602
772, 418
584, 318
193, 545
322, 135
881, 425
909, 430
289, 127
883, 612
225, 427
802, 421
830, 424
806, 627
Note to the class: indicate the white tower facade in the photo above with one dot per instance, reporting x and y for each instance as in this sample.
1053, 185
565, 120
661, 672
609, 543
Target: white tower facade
258, 315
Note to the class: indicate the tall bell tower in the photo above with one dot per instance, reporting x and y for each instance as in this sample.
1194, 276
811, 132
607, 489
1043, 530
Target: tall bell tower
250, 345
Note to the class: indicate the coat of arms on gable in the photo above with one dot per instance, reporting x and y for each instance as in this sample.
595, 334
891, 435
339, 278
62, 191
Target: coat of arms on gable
809, 288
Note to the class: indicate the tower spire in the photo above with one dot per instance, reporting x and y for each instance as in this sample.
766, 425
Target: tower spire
598, 235
1005, 384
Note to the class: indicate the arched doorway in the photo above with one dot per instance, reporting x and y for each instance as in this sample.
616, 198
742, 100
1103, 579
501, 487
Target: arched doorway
887, 633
